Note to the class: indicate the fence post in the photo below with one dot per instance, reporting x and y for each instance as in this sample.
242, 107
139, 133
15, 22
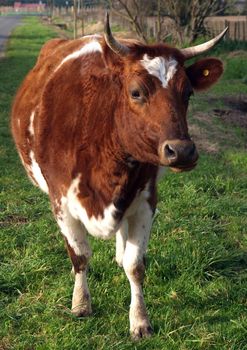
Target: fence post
75, 19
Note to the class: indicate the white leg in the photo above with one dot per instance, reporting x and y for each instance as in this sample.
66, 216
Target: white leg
136, 245
81, 300
121, 237
80, 253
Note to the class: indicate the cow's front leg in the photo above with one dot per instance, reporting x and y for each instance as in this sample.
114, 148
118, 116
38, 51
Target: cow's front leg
121, 237
80, 253
81, 300
133, 263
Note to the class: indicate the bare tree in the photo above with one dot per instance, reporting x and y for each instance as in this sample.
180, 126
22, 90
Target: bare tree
80, 16
187, 16
50, 5
135, 12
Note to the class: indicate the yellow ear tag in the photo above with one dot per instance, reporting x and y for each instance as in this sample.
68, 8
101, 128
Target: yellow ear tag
205, 72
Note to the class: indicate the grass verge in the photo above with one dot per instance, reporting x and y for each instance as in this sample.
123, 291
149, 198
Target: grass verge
196, 281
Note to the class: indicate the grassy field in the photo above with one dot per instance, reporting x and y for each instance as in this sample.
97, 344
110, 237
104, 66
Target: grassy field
196, 281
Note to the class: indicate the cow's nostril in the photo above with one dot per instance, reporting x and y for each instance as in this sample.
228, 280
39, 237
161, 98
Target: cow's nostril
192, 150
178, 152
170, 153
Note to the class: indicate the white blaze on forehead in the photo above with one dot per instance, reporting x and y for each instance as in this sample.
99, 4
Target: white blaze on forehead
92, 46
161, 68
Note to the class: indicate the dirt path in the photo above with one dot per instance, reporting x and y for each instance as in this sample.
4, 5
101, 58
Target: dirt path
215, 130
7, 24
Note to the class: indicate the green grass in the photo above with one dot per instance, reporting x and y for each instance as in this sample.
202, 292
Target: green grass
196, 281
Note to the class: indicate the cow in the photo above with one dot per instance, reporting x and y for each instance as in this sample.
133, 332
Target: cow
95, 123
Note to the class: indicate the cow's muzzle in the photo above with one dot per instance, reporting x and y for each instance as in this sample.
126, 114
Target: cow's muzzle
180, 155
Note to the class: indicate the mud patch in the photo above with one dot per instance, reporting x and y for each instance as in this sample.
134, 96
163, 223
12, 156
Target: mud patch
232, 117
237, 53
236, 113
201, 137
238, 103
210, 135
13, 220
207, 136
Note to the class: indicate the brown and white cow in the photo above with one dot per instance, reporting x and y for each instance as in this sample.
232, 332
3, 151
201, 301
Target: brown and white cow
94, 122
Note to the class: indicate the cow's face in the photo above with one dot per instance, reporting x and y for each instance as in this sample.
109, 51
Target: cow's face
157, 87
157, 92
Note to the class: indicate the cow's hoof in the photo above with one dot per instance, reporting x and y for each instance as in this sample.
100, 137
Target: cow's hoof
144, 331
81, 311
119, 261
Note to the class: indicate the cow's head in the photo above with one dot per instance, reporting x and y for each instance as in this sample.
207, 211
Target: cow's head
157, 88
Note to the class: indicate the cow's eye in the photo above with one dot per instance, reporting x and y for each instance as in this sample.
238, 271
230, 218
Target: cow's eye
135, 94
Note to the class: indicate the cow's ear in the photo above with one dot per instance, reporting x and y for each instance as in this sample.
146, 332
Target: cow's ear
111, 59
204, 73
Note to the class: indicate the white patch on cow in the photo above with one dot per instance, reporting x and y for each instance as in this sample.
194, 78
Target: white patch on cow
140, 223
121, 237
104, 226
31, 128
72, 229
37, 174
140, 197
161, 68
136, 205
91, 47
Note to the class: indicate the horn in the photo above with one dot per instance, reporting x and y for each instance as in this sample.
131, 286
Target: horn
193, 51
116, 47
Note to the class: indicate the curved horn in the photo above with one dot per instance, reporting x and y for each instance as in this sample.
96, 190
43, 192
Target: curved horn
190, 52
116, 47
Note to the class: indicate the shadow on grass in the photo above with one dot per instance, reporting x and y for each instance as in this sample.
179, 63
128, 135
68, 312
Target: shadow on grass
230, 266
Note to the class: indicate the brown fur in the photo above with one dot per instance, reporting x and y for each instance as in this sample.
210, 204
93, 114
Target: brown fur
48, 97
98, 140
88, 125
79, 262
